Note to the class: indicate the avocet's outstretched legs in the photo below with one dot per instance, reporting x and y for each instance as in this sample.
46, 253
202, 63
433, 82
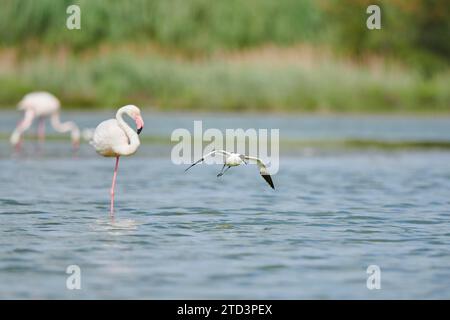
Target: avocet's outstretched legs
221, 173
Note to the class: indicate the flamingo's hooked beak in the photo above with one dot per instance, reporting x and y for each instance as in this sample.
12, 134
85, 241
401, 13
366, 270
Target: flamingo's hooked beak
139, 124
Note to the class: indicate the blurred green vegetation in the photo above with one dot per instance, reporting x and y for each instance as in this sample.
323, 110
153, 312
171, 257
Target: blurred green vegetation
414, 31
118, 78
179, 54
189, 25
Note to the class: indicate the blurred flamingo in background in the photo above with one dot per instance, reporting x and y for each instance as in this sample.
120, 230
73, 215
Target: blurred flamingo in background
115, 138
42, 105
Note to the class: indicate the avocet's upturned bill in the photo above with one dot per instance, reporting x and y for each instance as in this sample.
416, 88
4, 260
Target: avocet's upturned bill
236, 159
42, 105
115, 138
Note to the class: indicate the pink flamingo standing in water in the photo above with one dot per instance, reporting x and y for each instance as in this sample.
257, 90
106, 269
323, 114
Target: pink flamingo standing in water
115, 138
42, 105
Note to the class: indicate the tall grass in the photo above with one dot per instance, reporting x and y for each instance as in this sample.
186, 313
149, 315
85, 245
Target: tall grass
192, 33
417, 31
194, 25
112, 79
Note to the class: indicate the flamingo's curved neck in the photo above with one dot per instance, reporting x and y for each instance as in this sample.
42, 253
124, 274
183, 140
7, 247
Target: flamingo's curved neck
65, 127
131, 134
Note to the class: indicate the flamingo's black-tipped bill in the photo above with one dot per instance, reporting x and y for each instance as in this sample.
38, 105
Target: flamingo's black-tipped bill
268, 180
139, 130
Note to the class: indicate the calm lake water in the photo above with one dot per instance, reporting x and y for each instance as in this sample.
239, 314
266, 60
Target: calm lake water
192, 235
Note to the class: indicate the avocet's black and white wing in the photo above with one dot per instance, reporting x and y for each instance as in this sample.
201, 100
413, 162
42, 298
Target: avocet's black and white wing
226, 153
262, 170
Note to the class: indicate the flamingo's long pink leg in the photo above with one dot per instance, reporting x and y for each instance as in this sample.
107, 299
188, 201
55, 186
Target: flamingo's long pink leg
75, 146
22, 126
41, 130
18, 146
113, 186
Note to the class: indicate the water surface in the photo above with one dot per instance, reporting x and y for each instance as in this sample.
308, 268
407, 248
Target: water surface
192, 235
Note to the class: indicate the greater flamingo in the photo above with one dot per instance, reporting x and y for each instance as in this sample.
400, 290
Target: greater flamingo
42, 105
236, 159
115, 138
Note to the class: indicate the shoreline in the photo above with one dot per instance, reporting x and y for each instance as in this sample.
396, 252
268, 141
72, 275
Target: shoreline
296, 144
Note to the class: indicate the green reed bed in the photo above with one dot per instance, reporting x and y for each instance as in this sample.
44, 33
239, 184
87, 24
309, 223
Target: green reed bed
214, 84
